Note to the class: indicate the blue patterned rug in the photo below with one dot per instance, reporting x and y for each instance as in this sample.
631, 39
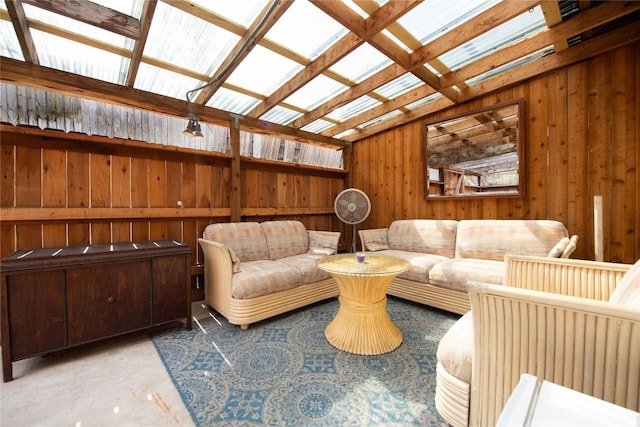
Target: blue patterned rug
283, 372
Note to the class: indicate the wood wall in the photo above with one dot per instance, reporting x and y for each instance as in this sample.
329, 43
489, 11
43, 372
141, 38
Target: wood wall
70, 189
582, 139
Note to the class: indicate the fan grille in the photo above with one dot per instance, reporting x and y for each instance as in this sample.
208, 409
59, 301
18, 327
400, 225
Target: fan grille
352, 206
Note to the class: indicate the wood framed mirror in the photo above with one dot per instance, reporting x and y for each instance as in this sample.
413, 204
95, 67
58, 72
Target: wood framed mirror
479, 153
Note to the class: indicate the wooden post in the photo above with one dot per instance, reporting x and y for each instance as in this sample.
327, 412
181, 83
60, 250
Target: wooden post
597, 228
236, 182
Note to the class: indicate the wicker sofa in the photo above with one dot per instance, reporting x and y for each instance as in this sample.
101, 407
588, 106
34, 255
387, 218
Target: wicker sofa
575, 323
445, 255
254, 271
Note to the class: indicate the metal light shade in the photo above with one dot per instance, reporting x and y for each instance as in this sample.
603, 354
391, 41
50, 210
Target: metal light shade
193, 128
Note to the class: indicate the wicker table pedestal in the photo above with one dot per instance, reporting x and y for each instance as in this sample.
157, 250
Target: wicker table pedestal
362, 324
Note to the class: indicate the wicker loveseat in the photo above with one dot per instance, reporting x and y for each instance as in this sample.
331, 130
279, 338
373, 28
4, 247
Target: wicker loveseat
445, 255
575, 323
254, 271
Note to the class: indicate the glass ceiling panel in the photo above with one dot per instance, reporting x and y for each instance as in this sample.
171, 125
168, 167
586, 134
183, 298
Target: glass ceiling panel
432, 18
306, 30
232, 101
525, 25
316, 92
200, 46
244, 15
66, 55
353, 108
361, 63
263, 71
9, 45
164, 82
399, 86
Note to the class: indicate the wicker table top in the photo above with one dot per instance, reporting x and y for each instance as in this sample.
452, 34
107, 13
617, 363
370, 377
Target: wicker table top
373, 265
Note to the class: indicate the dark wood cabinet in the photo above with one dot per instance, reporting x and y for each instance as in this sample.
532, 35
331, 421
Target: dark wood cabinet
55, 298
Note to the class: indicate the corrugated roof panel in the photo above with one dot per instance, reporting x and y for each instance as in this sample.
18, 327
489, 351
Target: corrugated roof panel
525, 25
317, 126
423, 101
200, 47
513, 64
399, 86
234, 102
361, 63
432, 18
164, 82
379, 119
306, 30
353, 108
9, 45
244, 15
316, 92
280, 115
263, 71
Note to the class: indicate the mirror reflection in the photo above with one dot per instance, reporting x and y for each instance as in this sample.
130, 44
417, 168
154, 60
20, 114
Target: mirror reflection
476, 154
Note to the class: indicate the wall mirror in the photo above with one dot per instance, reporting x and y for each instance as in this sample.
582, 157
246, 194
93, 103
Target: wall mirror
476, 154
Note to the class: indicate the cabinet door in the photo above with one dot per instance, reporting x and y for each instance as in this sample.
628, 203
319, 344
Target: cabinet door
108, 299
36, 312
169, 289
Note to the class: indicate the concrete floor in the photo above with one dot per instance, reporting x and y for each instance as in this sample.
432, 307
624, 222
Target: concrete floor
116, 382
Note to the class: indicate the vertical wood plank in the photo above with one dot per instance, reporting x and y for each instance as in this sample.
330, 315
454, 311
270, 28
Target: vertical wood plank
7, 182
28, 177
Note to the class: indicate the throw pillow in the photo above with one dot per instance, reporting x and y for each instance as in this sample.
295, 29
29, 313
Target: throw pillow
571, 246
556, 251
235, 261
628, 289
323, 242
376, 240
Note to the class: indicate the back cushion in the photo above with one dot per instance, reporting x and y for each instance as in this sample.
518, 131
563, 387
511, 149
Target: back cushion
423, 235
285, 238
492, 239
246, 239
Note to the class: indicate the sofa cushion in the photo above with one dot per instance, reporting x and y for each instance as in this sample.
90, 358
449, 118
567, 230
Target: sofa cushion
628, 289
432, 236
323, 242
285, 238
457, 273
456, 347
263, 277
375, 239
420, 264
306, 264
492, 239
246, 239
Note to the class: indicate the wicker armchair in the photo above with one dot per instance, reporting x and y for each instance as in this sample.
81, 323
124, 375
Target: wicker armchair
552, 320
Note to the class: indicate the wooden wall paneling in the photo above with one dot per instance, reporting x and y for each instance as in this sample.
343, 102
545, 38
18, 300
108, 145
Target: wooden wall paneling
623, 153
301, 193
599, 161
579, 202
120, 195
7, 193
28, 177
140, 195
173, 174
78, 195
250, 181
411, 184
268, 193
537, 135
7, 239
204, 186
189, 180
100, 194
635, 183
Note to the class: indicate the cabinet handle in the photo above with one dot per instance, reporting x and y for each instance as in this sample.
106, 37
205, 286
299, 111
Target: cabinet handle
110, 299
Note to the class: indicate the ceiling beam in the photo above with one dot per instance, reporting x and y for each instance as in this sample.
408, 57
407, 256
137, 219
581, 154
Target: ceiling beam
26, 74
93, 14
256, 32
148, 9
552, 16
23, 32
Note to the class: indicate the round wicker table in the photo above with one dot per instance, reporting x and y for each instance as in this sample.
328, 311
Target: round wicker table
362, 324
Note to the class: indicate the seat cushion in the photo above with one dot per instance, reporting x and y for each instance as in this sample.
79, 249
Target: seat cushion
420, 264
306, 264
456, 347
457, 273
263, 277
628, 289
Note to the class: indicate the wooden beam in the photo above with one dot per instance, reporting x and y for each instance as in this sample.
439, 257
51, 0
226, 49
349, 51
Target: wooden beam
93, 14
26, 74
552, 16
148, 9
21, 27
11, 215
256, 32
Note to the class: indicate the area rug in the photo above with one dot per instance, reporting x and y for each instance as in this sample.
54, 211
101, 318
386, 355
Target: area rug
283, 372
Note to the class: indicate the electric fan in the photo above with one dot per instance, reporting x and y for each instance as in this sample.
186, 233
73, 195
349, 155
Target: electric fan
352, 206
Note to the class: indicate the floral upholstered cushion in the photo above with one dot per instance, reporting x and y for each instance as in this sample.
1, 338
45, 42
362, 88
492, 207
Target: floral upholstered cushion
628, 289
323, 242
264, 277
235, 261
285, 238
456, 347
375, 239
436, 237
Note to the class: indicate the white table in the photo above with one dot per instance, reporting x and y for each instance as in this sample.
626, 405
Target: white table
535, 403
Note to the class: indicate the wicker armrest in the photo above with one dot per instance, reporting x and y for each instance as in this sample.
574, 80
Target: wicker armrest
218, 271
587, 345
586, 279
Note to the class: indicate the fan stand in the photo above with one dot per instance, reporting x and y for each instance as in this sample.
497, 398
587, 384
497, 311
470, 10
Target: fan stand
353, 239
